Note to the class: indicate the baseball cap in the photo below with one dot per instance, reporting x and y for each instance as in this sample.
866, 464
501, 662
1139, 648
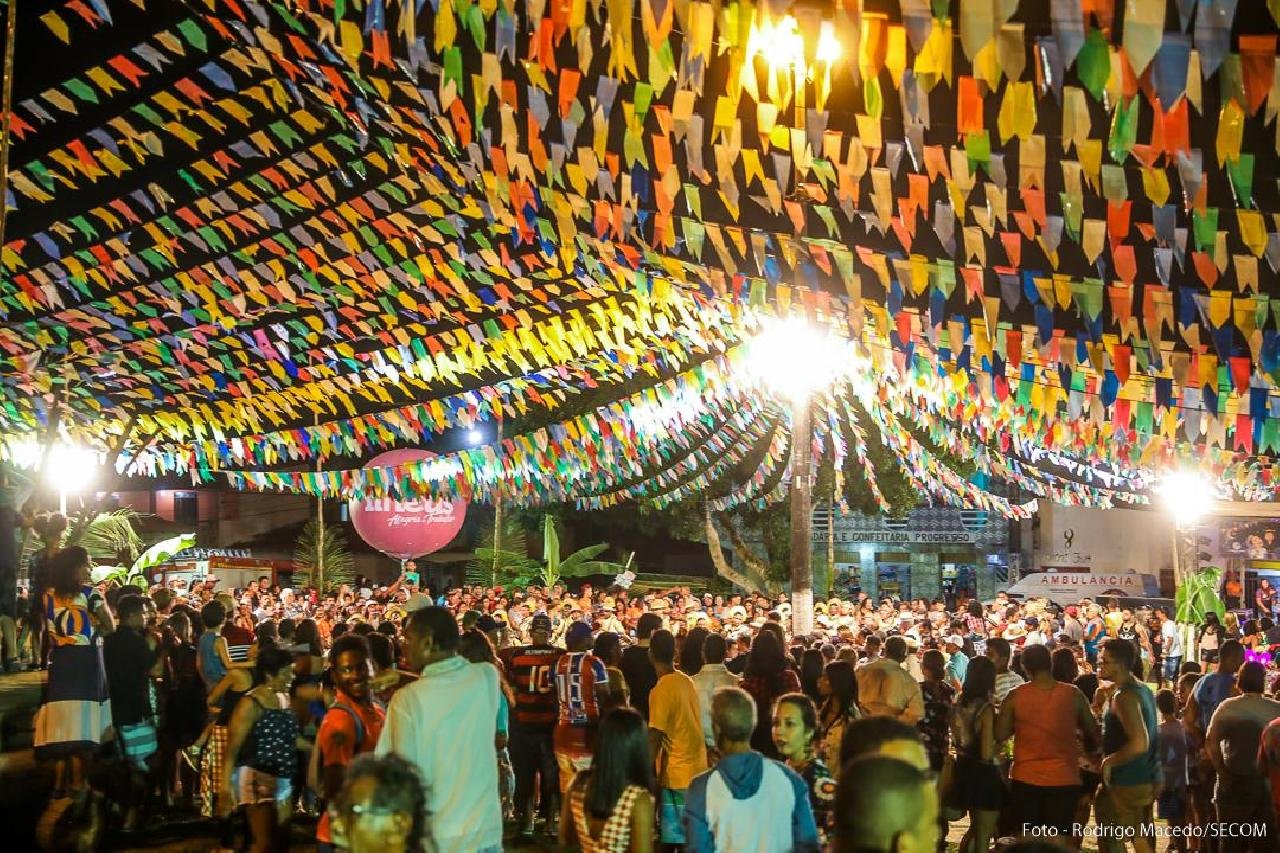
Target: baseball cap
577, 631
487, 623
955, 640
540, 622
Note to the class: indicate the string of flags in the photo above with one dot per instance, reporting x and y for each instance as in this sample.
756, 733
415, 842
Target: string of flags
282, 232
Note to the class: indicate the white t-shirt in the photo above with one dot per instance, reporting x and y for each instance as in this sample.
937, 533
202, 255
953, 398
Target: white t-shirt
1170, 639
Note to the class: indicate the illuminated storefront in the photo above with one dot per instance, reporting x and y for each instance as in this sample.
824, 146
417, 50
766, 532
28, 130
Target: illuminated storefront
931, 553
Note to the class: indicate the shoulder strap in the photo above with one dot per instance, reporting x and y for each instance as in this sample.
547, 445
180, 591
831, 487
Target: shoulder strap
355, 717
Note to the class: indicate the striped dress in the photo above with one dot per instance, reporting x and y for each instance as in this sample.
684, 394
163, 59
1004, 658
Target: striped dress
76, 714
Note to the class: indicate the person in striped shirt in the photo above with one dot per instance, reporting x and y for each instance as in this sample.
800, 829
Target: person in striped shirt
582, 686
531, 671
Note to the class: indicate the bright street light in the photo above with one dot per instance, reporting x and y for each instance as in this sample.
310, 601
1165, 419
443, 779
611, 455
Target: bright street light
474, 437
67, 468
793, 358
1187, 495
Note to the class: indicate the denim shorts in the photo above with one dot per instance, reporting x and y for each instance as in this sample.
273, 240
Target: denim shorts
1171, 667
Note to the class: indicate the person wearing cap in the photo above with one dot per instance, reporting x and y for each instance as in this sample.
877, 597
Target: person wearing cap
957, 661
582, 684
912, 663
607, 620
736, 615
531, 670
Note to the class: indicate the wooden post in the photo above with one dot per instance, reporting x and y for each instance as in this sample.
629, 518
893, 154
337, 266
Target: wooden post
497, 511
831, 540
6, 110
801, 518
318, 580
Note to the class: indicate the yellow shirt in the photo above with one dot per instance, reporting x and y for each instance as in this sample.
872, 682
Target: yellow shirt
674, 710
1113, 621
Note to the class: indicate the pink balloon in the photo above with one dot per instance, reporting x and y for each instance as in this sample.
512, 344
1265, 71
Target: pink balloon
406, 529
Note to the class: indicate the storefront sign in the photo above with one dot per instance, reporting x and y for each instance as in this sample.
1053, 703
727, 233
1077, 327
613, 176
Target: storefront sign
1069, 587
899, 537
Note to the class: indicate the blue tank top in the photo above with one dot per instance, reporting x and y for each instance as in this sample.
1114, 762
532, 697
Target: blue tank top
210, 661
271, 746
1142, 769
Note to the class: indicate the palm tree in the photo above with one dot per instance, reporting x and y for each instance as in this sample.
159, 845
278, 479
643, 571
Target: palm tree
338, 565
109, 537
501, 560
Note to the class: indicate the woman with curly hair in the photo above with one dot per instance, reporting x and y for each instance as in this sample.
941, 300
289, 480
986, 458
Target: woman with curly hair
382, 807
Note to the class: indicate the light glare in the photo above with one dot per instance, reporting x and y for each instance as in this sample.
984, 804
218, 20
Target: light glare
1187, 495
794, 358
67, 468
829, 47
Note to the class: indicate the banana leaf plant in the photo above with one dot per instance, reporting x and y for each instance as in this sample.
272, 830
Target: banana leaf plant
579, 564
1196, 597
157, 555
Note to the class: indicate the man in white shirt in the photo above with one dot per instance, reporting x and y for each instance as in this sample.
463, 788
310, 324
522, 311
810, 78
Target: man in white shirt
445, 724
711, 678
885, 686
1170, 648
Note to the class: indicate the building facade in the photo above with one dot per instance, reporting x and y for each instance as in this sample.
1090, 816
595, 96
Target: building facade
934, 552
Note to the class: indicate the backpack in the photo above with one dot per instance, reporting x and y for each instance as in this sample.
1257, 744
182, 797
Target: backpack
315, 767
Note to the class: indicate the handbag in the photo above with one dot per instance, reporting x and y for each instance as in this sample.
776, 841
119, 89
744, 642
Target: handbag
946, 781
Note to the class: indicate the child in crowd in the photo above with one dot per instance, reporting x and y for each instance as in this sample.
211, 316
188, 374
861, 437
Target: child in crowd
1173, 751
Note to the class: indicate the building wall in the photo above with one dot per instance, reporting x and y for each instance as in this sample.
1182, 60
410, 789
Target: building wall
1109, 540
257, 514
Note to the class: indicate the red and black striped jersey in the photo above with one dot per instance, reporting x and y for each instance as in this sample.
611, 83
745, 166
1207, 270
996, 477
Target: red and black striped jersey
532, 670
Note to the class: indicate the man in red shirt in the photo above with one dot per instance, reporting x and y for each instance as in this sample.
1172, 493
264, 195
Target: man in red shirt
531, 671
581, 685
349, 728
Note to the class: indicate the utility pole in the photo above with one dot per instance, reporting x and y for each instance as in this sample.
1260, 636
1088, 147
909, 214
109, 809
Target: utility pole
320, 543
497, 511
801, 517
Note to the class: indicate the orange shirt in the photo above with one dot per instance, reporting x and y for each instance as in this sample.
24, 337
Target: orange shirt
674, 709
337, 741
1046, 751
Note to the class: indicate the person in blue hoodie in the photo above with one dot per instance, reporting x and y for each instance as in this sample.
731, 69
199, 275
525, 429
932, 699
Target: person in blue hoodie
747, 803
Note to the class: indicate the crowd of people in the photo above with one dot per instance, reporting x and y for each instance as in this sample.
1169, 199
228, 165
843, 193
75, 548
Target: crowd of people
608, 720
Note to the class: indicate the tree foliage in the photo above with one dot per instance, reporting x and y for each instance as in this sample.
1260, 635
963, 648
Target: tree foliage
501, 559
109, 537
338, 565
1197, 596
